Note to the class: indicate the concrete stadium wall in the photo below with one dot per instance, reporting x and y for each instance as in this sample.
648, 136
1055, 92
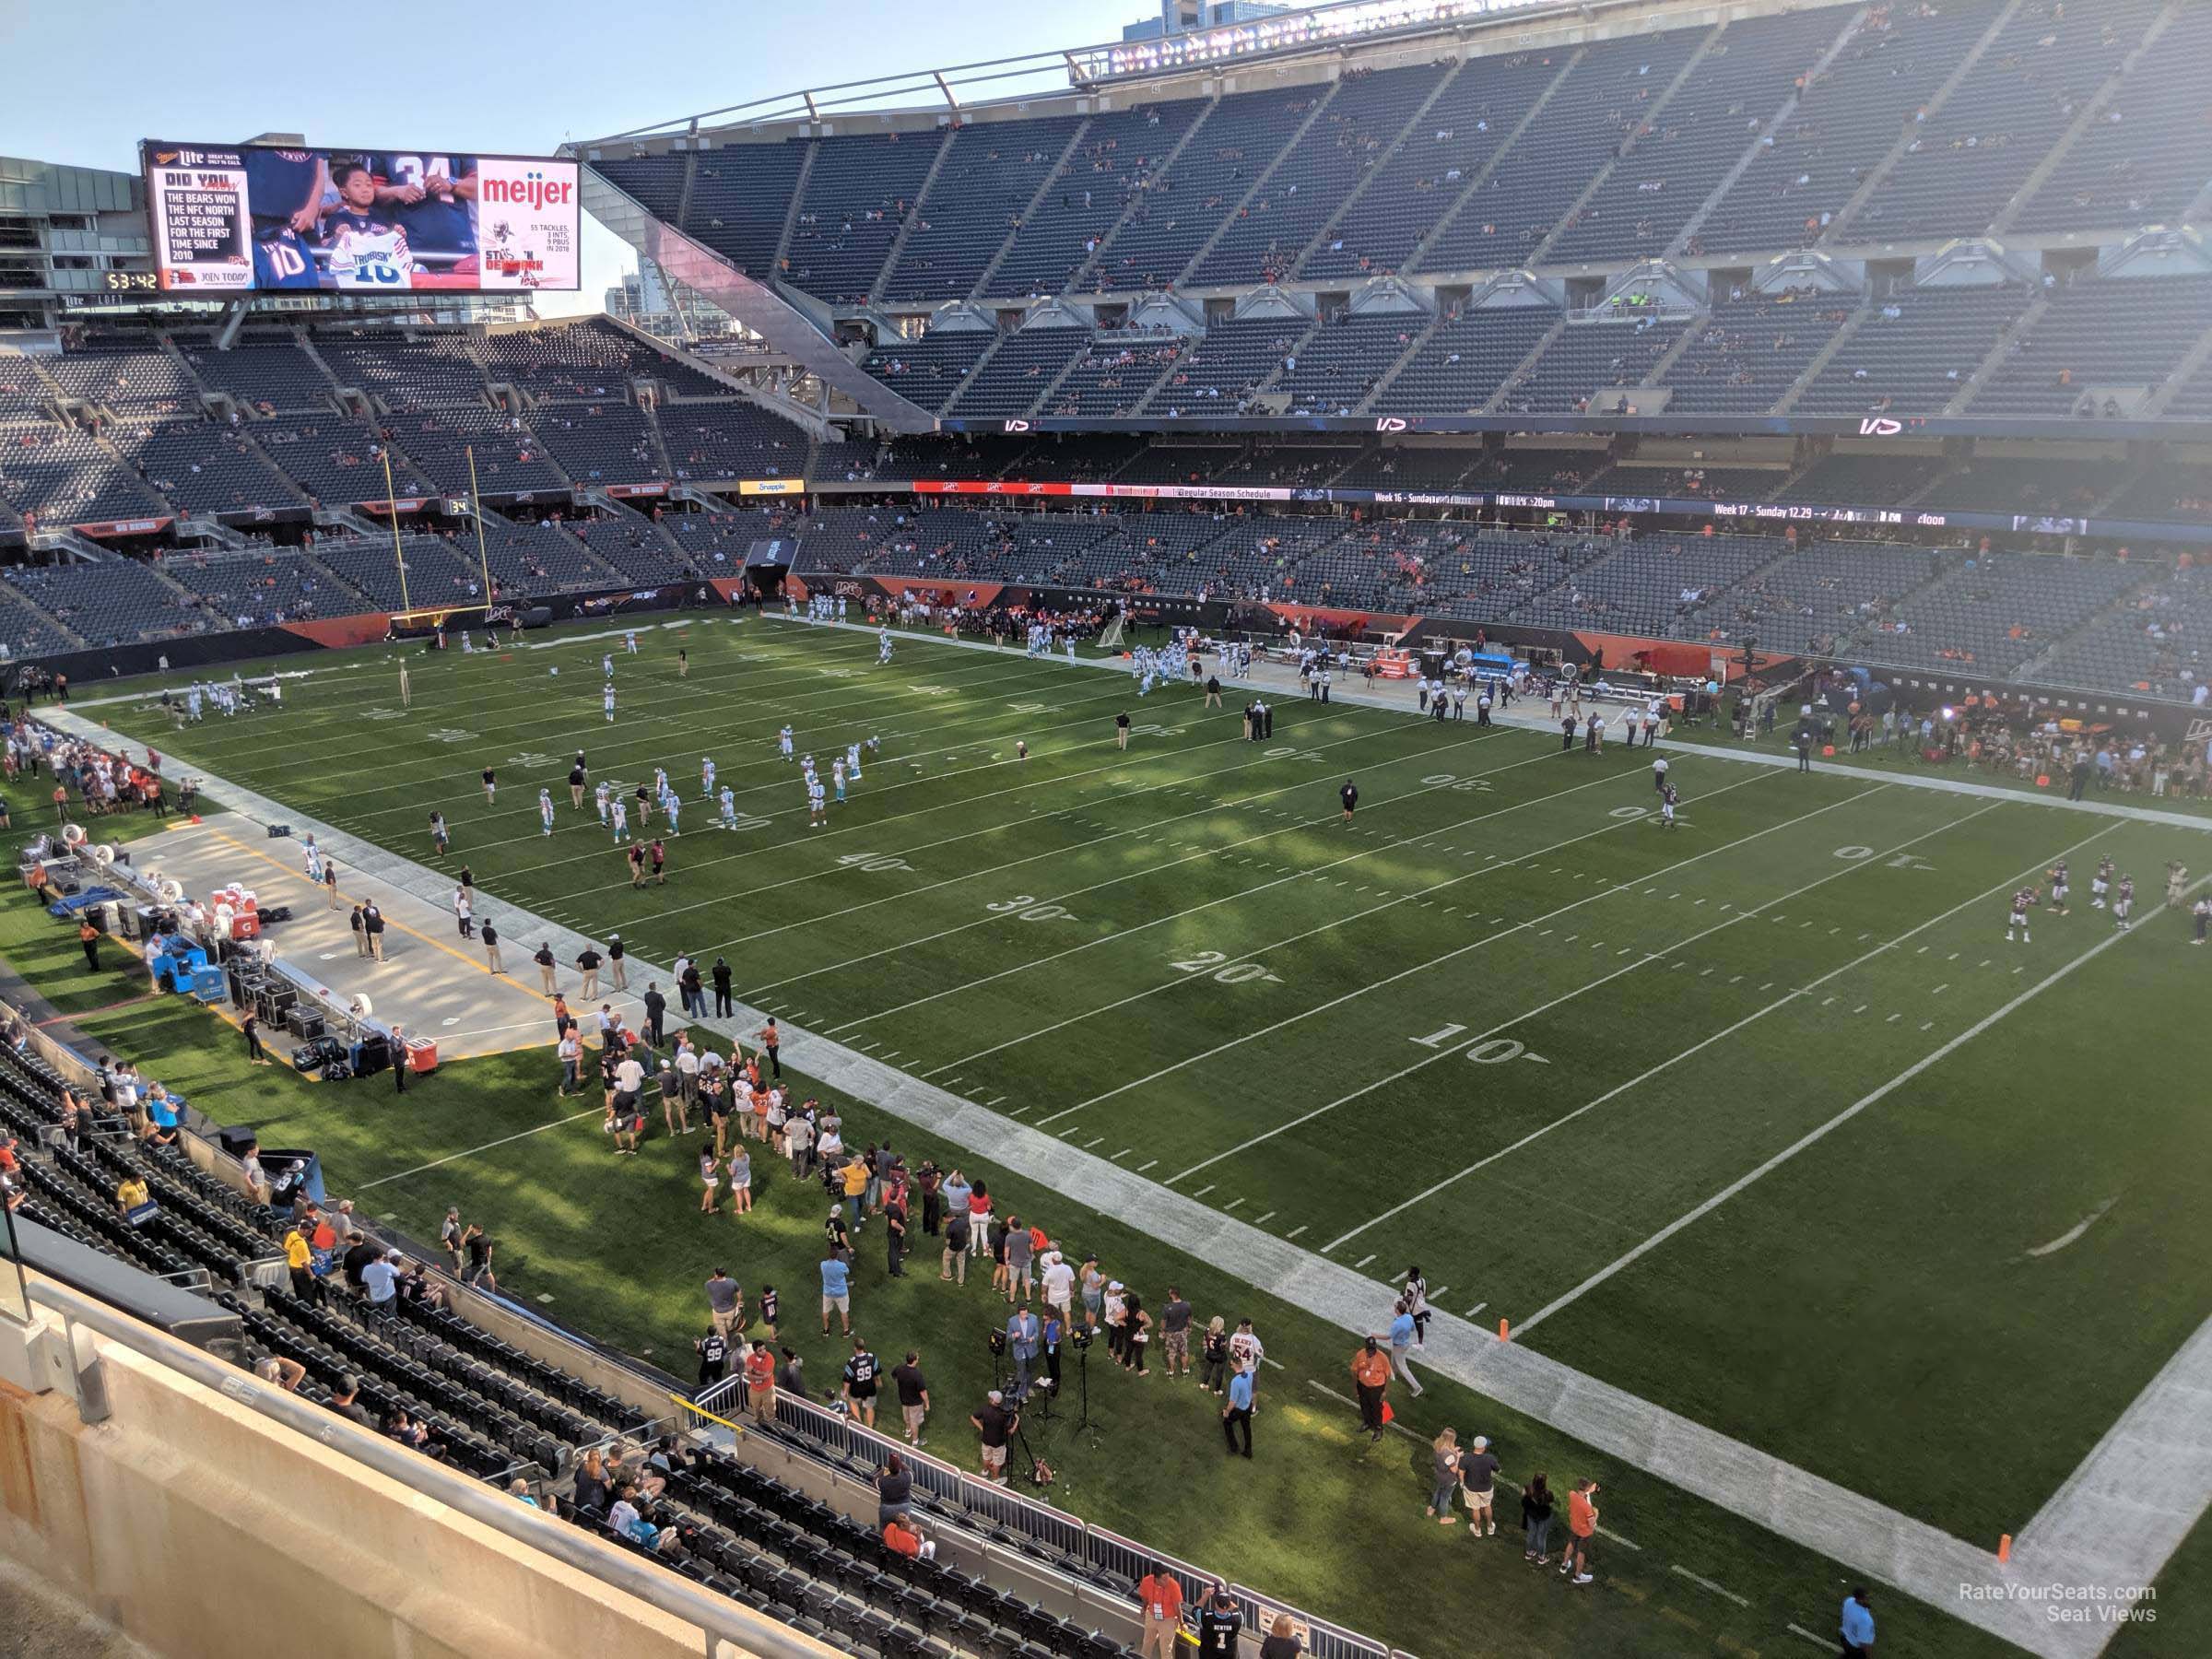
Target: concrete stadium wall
200, 1528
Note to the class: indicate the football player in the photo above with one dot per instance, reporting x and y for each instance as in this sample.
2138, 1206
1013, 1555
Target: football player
2058, 888
2022, 902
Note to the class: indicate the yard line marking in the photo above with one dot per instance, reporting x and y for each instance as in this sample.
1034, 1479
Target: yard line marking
1285, 876
1469, 1042
1393, 978
1812, 1137
1092, 1142
1250, 955
1707, 1583
1478, 1308
1825, 1000
1818, 1641
1727, 1032
1018, 1112
1362, 1262
1735, 979
1123, 1153
1983, 962
1927, 1025
1893, 1020
1941, 989
1861, 1009
1147, 1164
1296, 1231
1232, 1204
488, 1146
1261, 1220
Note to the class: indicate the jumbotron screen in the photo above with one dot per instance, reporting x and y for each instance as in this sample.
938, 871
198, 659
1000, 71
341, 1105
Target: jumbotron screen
258, 219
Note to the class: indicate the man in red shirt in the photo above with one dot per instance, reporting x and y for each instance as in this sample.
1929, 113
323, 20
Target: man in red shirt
1161, 1594
660, 862
760, 1381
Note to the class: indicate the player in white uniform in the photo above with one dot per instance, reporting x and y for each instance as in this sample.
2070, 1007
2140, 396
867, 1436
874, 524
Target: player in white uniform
630, 642
837, 776
599, 798
883, 646
607, 701
784, 743
606, 662
618, 812
314, 854
674, 807
706, 777
817, 805
853, 761
729, 808
545, 810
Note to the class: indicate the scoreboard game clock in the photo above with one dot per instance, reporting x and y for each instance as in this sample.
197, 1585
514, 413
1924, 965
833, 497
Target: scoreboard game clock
131, 282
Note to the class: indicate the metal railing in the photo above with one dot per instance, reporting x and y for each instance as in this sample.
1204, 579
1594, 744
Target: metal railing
1085, 1549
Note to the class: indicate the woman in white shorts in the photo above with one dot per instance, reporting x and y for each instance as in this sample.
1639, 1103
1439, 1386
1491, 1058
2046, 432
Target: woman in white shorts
741, 1181
709, 1180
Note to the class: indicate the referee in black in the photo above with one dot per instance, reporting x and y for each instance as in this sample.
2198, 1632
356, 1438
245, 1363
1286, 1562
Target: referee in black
1349, 795
1802, 740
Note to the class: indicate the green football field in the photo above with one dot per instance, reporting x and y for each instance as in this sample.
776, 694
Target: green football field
1760, 1118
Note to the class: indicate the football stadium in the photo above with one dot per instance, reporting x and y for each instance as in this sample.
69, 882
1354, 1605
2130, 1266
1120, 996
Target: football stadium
1475, 733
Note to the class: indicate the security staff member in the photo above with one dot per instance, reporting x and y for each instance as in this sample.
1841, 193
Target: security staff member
1349, 795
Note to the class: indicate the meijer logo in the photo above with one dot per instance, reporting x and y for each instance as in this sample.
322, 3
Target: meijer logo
533, 190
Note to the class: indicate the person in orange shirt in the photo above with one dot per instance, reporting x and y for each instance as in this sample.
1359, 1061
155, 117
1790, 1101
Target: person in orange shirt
900, 1535
1370, 1373
760, 1381
1581, 1529
1161, 1596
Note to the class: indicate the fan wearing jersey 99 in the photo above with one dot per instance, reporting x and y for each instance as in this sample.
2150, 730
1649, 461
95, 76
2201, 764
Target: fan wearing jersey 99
363, 246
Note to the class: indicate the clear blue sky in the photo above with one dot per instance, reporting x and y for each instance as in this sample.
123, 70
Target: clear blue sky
85, 83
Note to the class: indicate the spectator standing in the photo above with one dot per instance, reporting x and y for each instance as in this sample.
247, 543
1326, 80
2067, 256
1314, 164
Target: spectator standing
860, 1380
1479, 1478
1220, 1622
1536, 1519
1282, 1639
1160, 1595
1444, 1462
955, 1266
894, 1491
490, 936
1236, 1415
1371, 1376
1581, 1530
1023, 1334
995, 1425
543, 956
1858, 1624
760, 1381
1215, 1370
837, 1290
913, 1396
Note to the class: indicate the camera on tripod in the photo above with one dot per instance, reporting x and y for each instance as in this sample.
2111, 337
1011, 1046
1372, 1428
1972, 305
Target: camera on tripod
997, 1340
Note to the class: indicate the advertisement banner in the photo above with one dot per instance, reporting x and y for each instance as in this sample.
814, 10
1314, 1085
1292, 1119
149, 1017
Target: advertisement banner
750, 487
261, 218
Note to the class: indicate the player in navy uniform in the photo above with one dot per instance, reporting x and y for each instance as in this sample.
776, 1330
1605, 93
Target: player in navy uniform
2022, 902
2124, 901
1669, 797
2100, 883
433, 198
2058, 888
363, 244
284, 189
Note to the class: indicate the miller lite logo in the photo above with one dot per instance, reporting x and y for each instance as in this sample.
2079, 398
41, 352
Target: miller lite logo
1390, 423
1880, 426
1016, 426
